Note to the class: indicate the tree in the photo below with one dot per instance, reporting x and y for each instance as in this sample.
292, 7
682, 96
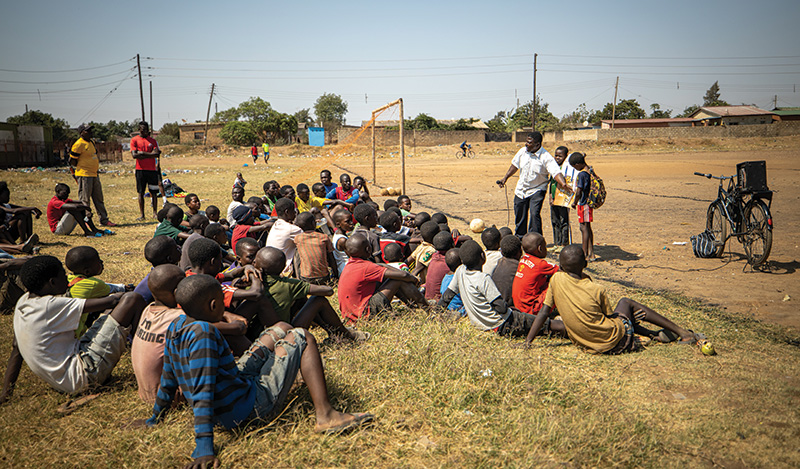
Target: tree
238, 133
169, 133
712, 96
330, 110
61, 130
424, 122
498, 122
659, 113
689, 110
303, 116
575, 118
228, 115
545, 120
626, 109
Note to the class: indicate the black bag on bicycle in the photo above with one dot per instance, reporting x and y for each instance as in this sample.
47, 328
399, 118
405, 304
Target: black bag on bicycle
704, 245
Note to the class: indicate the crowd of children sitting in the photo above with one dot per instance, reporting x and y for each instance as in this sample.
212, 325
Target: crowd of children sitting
224, 313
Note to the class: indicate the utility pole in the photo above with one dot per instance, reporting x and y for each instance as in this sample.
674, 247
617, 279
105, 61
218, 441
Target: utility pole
775, 105
208, 114
533, 114
26, 109
141, 91
614, 108
402, 149
152, 125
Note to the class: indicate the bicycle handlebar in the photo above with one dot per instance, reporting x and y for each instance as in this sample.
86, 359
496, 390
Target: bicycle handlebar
709, 176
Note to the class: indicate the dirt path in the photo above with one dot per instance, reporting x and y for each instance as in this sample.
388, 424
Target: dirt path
653, 201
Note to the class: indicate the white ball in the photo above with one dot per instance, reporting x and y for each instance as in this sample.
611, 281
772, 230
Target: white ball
477, 225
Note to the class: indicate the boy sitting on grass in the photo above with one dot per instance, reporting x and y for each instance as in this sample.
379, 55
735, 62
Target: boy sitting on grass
421, 257
586, 312
367, 218
192, 202
291, 302
391, 223
198, 224
226, 392
45, 323
246, 225
344, 224
314, 253
437, 268
158, 251
16, 219
533, 275
147, 349
366, 288
64, 214
393, 255
491, 241
485, 307
216, 232
85, 264
283, 232
453, 260
504, 273
171, 225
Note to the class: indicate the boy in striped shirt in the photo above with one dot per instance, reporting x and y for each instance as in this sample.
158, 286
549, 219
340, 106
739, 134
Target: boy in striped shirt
223, 391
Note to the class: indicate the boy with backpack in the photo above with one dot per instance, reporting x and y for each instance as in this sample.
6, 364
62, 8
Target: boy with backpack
581, 202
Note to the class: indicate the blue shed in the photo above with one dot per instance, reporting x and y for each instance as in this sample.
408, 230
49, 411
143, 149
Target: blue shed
316, 136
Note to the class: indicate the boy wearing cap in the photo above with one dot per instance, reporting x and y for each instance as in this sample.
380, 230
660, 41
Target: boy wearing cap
84, 163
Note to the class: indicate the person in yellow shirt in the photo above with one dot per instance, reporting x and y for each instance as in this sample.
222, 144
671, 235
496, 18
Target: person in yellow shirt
84, 163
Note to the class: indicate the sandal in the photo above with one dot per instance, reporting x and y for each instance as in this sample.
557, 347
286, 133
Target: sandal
27, 248
693, 340
666, 336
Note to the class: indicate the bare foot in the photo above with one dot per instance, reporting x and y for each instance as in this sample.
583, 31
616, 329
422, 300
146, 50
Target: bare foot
340, 422
140, 218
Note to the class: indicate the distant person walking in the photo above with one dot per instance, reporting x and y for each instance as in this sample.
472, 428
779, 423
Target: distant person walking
265, 147
535, 166
254, 153
145, 151
84, 162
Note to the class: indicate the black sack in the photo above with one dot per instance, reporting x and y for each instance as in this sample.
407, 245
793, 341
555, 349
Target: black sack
704, 245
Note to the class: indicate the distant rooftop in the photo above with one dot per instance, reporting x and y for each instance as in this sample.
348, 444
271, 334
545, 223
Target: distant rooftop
729, 111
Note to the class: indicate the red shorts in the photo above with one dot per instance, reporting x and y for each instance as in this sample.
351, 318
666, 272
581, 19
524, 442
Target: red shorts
584, 214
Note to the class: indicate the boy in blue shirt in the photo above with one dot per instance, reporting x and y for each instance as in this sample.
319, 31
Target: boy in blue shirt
223, 391
580, 202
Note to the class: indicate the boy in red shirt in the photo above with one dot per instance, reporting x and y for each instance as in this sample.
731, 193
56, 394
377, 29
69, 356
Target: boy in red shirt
145, 151
63, 214
533, 277
314, 252
366, 288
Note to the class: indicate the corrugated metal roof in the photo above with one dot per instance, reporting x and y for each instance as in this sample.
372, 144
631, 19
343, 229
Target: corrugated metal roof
651, 121
787, 111
735, 111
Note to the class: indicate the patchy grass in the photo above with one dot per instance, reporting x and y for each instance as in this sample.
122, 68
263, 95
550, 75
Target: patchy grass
444, 394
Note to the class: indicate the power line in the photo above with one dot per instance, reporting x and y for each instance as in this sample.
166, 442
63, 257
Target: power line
62, 91
672, 66
329, 70
66, 81
673, 58
342, 77
97, 106
670, 73
343, 61
66, 71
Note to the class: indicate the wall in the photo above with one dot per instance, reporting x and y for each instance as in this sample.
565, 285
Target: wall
424, 138
187, 133
25, 145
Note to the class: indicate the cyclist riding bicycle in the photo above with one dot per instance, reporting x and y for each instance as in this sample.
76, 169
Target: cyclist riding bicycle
464, 147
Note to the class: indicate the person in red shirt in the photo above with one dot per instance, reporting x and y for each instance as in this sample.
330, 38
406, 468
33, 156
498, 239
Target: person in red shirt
145, 151
245, 224
438, 268
366, 288
64, 214
254, 153
533, 275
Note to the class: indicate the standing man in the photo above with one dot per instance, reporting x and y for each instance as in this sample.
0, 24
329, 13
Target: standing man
254, 152
535, 164
84, 162
265, 147
145, 151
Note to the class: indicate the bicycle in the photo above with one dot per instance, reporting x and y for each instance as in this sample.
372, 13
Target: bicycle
468, 153
744, 208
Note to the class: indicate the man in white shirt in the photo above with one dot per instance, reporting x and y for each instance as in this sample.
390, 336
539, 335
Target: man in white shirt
535, 165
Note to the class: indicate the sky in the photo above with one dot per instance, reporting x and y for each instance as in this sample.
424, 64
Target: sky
448, 59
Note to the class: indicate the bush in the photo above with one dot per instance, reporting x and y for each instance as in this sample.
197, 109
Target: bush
238, 133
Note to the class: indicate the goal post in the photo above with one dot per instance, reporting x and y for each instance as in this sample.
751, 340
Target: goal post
375, 114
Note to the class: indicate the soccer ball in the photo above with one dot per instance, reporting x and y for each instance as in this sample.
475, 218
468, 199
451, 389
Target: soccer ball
708, 348
390, 191
477, 225
384, 191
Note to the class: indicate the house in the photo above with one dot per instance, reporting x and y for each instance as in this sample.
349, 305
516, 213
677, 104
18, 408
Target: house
645, 123
731, 115
194, 133
786, 113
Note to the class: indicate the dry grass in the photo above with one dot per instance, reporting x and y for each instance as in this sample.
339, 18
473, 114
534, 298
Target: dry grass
426, 378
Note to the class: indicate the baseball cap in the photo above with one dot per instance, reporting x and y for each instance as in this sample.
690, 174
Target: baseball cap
241, 213
83, 127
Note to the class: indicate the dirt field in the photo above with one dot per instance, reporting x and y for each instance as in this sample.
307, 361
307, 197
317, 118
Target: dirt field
653, 201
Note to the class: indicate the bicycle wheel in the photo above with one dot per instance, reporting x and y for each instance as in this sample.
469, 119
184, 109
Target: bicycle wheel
717, 224
758, 240
471, 154
459, 154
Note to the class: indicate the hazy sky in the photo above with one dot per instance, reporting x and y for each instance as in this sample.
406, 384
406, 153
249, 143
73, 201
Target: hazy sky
448, 59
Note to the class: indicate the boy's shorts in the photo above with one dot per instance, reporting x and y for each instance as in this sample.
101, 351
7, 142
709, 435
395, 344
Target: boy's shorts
519, 324
585, 214
628, 343
326, 280
272, 374
101, 347
66, 224
146, 181
378, 302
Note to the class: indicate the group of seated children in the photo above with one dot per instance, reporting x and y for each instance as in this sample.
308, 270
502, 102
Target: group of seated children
263, 276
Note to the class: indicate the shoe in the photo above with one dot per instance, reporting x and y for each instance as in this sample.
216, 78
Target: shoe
27, 248
108, 223
95, 235
359, 336
108, 232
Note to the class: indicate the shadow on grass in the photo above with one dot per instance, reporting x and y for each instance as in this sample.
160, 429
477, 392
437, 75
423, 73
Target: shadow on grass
611, 252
